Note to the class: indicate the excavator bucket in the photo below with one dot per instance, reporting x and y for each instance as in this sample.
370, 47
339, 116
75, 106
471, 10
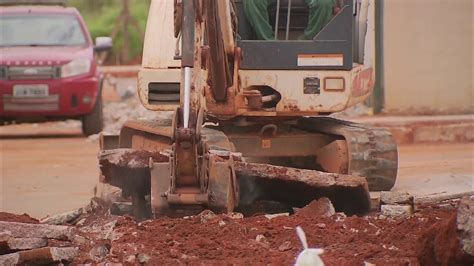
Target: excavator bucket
137, 174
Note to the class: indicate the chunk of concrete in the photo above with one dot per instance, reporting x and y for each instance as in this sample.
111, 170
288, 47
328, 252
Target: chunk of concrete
397, 211
47, 255
320, 207
394, 198
22, 230
63, 218
273, 216
206, 215
234, 215
26, 243
9, 259
465, 224
97, 254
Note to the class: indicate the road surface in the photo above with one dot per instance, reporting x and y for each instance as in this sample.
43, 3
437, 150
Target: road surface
51, 168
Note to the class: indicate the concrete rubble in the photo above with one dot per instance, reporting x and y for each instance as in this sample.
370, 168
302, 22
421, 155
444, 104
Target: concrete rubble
24, 243
210, 238
465, 224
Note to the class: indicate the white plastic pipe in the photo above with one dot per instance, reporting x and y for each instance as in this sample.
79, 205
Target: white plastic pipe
187, 96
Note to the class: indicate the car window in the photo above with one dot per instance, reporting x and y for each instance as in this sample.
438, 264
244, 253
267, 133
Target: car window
40, 30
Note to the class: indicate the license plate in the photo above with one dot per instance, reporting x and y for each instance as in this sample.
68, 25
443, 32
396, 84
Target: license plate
32, 91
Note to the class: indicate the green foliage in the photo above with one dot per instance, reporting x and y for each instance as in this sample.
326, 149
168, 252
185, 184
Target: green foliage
101, 17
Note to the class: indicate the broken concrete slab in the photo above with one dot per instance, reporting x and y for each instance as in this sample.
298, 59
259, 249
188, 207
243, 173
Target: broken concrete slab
63, 218
48, 255
121, 208
442, 197
299, 186
22, 230
15, 244
396, 211
9, 259
45, 255
321, 207
394, 198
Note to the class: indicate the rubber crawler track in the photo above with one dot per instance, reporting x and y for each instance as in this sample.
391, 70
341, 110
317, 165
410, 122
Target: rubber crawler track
372, 151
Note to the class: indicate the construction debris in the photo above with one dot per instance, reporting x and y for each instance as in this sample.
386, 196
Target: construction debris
450, 242
301, 186
63, 218
465, 224
47, 255
321, 207
22, 230
13, 244
349, 240
396, 198
272, 216
396, 211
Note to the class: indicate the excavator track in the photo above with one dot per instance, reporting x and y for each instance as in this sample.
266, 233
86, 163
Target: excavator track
372, 151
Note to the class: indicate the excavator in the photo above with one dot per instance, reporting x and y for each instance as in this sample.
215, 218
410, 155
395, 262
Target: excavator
250, 121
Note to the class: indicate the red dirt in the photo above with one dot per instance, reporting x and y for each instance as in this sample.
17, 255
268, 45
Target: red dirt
24, 218
345, 240
442, 245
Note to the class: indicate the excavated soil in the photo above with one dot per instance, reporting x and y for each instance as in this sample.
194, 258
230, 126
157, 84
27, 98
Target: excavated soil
24, 218
224, 239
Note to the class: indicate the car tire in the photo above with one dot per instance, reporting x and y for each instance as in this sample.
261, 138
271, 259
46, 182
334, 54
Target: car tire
93, 122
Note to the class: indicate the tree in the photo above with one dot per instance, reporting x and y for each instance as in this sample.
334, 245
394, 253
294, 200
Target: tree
123, 23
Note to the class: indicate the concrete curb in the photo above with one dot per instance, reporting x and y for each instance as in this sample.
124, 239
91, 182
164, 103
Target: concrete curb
425, 129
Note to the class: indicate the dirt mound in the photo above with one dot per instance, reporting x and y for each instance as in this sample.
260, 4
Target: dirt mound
427, 237
259, 240
24, 218
441, 244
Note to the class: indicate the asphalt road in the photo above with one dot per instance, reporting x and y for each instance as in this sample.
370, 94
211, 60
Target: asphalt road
51, 168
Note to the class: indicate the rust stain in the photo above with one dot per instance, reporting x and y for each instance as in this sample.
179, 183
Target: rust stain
363, 82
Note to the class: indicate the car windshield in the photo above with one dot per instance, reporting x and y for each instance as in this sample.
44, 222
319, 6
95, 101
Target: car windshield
40, 30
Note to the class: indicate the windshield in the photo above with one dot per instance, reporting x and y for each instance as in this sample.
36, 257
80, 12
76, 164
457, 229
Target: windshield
41, 30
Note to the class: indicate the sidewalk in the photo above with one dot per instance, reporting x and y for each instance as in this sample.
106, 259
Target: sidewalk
424, 129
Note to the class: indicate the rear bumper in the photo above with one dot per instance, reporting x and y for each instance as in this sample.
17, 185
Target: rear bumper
67, 98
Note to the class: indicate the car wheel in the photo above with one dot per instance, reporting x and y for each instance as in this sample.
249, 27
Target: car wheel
93, 122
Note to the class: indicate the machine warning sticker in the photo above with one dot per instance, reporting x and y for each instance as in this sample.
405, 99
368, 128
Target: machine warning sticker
320, 60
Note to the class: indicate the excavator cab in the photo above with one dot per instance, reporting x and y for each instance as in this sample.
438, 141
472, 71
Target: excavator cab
330, 49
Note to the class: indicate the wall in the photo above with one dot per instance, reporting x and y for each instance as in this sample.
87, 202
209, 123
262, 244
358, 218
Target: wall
428, 54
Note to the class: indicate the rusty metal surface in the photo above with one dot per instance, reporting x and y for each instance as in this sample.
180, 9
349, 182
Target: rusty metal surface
219, 77
108, 142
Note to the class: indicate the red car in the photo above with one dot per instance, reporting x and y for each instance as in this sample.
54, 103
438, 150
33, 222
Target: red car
47, 66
